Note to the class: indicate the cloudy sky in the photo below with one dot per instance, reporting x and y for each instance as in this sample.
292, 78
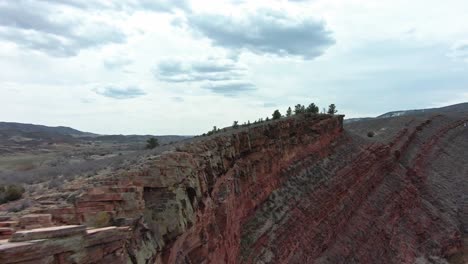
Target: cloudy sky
181, 67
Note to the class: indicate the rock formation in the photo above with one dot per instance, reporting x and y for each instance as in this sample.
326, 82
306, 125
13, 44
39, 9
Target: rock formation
296, 190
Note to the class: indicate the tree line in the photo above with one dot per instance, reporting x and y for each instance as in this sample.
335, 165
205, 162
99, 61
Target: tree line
298, 109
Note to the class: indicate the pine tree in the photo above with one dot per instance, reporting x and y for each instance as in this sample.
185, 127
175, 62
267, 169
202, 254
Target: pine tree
289, 112
276, 114
332, 109
299, 109
312, 108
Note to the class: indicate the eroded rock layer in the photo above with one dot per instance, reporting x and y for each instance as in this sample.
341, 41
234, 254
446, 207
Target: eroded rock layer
296, 190
379, 201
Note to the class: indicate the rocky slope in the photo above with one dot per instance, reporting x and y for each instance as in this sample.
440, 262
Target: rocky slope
299, 190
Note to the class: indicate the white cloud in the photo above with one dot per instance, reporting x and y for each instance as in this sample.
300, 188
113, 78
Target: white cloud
459, 50
265, 31
115, 92
41, 27
223, 60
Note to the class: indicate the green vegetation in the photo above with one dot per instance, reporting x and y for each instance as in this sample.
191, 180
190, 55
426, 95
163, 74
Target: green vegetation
276, 114
312, 108
332, 109
10, 193
288, 112
152, 143
298, 109
213, 131
101, 219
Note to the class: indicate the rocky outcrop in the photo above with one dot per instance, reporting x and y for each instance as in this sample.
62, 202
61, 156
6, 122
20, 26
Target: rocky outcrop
189, 204
295, 190
31, 221
66, 244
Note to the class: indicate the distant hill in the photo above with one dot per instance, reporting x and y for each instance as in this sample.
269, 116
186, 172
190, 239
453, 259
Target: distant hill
136, 138
28, 128
357, 119
457, 108
12, 133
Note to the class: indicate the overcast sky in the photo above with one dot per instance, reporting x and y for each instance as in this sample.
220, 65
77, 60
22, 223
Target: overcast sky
181, 67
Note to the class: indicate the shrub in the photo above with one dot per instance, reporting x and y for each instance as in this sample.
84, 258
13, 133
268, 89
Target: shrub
235, 124
152, 143
101, 219
371, 134
19, 207
11, 193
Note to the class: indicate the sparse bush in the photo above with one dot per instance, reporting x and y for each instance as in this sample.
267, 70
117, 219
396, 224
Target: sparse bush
214, 131
152, 143
19, 207
101, 219
10, 193
371, 134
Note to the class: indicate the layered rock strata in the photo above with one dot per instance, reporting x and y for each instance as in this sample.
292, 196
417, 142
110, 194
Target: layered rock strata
296, 190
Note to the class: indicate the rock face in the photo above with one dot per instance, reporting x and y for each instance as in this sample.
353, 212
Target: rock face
366, 203
66, 244
296, 190
31, 221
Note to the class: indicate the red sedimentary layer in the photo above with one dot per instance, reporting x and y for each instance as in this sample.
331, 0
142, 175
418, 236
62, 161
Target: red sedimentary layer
297, 190
373, 210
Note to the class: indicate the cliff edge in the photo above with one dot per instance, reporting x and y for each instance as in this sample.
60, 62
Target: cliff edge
297, 190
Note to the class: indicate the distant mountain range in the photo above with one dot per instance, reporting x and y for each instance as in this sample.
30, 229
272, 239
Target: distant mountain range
30, 134
30, 128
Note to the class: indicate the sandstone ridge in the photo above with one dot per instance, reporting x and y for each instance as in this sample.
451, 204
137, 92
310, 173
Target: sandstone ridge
297, 190
189, 203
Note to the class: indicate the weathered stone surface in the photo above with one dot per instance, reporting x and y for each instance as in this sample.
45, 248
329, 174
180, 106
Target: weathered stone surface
76, 246
48, 232
9, 224
6, 232
31, 221
297, 190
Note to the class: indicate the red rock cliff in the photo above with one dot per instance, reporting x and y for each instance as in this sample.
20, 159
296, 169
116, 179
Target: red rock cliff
297, 190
